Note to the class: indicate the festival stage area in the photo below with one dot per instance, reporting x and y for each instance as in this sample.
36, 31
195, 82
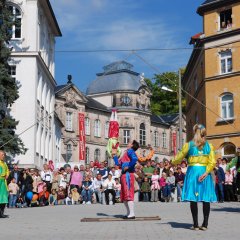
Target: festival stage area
64, 222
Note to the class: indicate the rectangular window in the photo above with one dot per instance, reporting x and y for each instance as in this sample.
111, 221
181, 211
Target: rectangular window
164, 140
225, 19
12, 71
226, 62
69, 121
97, 128
126, 136
87, 126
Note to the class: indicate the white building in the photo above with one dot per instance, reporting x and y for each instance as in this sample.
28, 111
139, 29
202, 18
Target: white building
33, 66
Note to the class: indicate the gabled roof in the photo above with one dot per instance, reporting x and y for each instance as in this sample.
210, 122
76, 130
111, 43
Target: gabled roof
169, 118
159, 120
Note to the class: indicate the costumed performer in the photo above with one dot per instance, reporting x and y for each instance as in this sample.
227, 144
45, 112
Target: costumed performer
4, 173
127, 162
113, 134
198, 183
235, 162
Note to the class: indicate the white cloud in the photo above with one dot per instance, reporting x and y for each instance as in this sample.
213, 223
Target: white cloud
107, 24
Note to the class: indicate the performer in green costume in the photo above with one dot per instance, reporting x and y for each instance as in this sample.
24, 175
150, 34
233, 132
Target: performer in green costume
4, 172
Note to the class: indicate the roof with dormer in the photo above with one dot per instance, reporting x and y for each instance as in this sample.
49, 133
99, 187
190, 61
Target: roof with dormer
210, 5
117, 76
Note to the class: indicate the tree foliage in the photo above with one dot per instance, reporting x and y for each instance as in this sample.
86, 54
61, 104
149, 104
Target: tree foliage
163, 101
8, 87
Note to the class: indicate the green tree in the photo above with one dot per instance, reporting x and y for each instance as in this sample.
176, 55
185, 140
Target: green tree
163, 101
8, 87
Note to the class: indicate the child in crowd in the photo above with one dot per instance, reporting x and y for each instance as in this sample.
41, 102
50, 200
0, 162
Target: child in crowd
87, 190
13, 192
162, 183
53, 197
145, 189
117, 190
61, 196
43, 197
155, 187
75, 196
170, 182
228, 186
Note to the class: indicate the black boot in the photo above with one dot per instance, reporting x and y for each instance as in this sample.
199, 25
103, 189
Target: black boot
2, 207
206, 212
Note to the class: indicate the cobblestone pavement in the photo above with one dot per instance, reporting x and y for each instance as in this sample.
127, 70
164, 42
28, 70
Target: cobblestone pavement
63, 222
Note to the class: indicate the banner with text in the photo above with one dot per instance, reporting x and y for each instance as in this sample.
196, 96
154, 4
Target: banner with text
82, 138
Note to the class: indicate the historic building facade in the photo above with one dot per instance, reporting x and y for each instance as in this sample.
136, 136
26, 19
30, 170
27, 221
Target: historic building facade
33, 66
212, 76
118, 87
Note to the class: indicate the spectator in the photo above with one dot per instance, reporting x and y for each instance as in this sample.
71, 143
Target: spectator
55, 180
97, 187
179, 177
148, 170
223, 164
160, 168
88, 172
145, 189
109, 184
170, 182
155, 187
13, 193
184, 167
75, 196
117, 189
103, 171
15, 173
43, 197
76, 179
229, 196
162, 183
46, 176
53, 198
63, 181
220, 179
61, 195
87, 190
36, 180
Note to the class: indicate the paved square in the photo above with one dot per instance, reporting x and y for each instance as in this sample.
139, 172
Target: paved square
63, 222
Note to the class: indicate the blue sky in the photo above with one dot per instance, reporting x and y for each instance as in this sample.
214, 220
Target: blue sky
122, 24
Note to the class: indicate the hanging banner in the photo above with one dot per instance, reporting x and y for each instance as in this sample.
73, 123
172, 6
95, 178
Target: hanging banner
82, 138
174, 143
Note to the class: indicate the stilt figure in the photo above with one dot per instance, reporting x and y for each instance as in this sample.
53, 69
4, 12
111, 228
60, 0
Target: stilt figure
198, 183
113, 134
127, 162
4, 172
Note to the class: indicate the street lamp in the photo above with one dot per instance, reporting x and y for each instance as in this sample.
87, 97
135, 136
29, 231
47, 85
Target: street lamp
179, 93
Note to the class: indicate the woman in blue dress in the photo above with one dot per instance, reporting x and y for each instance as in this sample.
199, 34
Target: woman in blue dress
198, 183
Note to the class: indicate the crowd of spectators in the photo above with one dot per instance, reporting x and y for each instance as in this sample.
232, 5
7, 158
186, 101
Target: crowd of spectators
99, 183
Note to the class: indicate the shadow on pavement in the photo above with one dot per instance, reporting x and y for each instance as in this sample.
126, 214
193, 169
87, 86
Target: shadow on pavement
226, 209
179, 225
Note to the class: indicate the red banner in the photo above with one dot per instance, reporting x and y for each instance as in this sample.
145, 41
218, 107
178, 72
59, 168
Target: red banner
82, 138
174, 143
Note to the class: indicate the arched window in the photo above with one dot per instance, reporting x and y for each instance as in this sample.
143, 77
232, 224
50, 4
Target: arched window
69, 153
97, 154
156, 139
97, 128
106, 128
142, 134
227, 106
87, 126
228, 150
17, 19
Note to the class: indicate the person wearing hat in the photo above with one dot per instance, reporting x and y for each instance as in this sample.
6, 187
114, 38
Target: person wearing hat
198, 183
4, 173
